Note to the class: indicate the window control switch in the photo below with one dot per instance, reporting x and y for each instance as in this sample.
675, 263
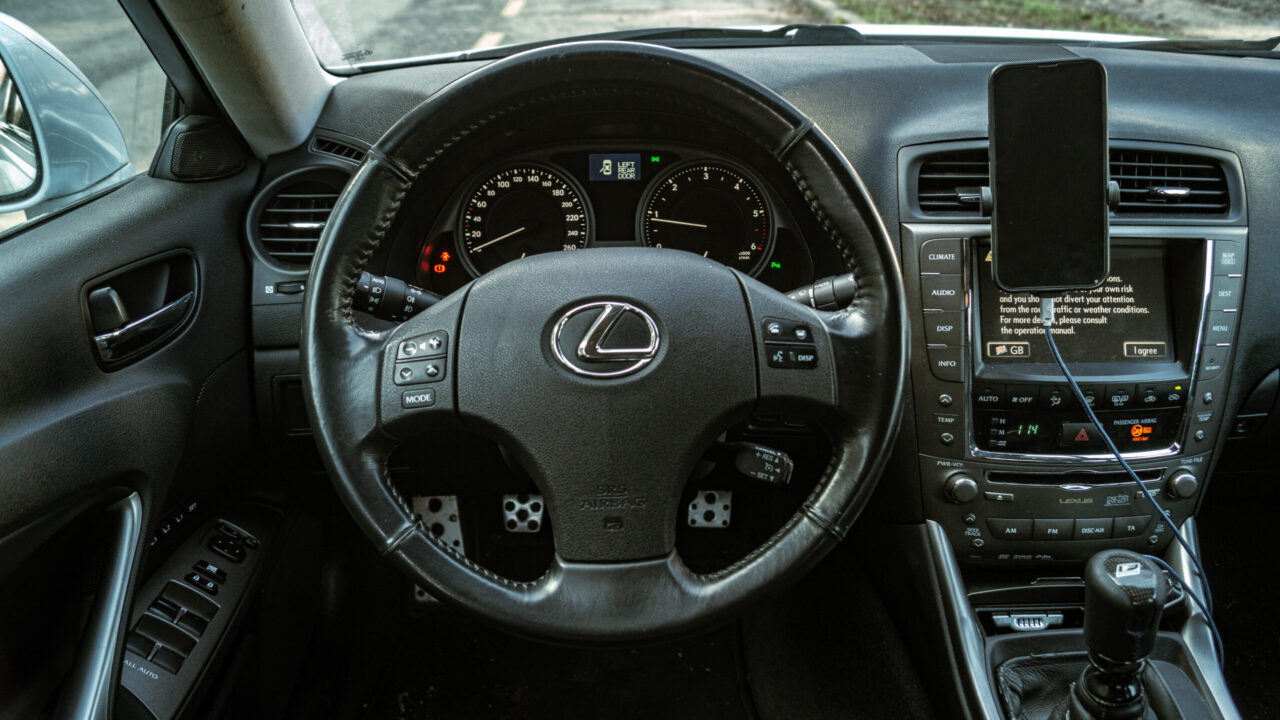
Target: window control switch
193, 623
139, 644
169, 659
166, 609
204, 567
203, 583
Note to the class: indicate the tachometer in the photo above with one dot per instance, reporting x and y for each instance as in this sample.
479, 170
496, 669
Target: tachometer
711, 208
521, 210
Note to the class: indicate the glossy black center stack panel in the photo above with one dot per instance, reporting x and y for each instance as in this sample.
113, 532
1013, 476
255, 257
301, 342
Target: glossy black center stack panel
1010, 465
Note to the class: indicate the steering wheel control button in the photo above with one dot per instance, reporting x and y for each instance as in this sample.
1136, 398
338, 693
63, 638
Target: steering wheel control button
1009, 529
1093, 529
1053, 529
522, 513
947, 363
785, 355
434, 344
202, 582
763, 463
420, 371
414, 399
941, 257
605, 339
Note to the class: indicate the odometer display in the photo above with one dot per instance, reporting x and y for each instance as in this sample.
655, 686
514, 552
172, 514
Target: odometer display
710, 208
518, 211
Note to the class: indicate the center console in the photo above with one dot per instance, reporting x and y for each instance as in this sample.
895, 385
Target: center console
1012, 469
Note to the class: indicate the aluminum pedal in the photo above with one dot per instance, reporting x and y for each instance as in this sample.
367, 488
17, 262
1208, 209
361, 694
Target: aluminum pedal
711, 509
522, 513
439, 515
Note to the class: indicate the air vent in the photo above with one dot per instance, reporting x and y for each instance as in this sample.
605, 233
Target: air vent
329, 146
292, 213
1152, 182
1168, 183
950, 181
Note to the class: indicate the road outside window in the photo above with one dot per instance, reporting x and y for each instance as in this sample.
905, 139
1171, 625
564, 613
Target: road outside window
98, 37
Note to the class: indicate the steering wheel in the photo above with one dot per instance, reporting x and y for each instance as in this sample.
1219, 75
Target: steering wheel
605, 373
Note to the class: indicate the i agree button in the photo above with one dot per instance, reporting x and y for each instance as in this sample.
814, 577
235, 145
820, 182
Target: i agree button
1146, 350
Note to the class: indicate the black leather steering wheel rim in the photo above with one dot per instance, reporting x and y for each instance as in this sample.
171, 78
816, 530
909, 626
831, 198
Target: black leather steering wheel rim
346, 368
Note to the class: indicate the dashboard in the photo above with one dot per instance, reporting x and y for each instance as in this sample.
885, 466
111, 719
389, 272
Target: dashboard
990, 439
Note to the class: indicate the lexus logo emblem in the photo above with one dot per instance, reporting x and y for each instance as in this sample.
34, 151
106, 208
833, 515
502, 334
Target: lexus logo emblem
610, 338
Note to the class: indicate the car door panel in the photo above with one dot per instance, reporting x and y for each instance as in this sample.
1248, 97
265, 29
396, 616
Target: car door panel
86, 443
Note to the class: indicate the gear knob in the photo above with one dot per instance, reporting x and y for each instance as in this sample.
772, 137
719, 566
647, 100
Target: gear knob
1123, 599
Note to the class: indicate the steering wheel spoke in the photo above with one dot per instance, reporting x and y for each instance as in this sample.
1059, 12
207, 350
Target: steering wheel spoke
416, 371
795, 360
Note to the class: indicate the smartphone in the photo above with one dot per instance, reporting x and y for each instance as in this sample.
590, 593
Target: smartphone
1049, 174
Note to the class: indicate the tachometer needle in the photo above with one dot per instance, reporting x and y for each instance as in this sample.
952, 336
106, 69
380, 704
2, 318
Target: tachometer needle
678, 222
500, 238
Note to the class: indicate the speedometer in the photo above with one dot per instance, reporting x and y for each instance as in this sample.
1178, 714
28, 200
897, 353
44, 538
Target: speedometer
521, 210
711, 208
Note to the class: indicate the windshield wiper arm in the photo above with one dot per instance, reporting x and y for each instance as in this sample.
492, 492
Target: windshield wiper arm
1249, 48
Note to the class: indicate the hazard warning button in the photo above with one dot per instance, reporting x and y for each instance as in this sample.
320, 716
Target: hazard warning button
1079, 435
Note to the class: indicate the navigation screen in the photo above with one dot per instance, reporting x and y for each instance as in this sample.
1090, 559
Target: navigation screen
1125, 319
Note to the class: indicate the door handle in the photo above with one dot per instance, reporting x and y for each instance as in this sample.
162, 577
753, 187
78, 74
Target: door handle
143, 331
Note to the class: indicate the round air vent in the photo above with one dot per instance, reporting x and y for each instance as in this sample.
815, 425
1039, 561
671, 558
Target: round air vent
289, 215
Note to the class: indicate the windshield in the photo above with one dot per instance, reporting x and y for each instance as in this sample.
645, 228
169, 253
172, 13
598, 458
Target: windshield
349, 33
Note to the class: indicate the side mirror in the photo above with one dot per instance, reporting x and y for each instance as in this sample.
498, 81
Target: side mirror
58, 140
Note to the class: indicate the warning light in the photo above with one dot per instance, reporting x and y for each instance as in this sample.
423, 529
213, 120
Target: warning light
774, 265
439, 268
1177, 387
655, 158
444, 256
1139, 432
1082, 436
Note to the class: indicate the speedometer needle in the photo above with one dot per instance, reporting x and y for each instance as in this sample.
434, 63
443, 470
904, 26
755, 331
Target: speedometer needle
678, 222
500, 238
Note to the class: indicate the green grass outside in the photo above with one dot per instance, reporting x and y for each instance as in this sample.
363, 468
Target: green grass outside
1039, 14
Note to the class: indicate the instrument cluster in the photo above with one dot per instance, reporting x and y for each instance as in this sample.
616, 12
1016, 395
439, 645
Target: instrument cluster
569, 199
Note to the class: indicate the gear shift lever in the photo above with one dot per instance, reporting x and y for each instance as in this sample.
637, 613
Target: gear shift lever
1124, 597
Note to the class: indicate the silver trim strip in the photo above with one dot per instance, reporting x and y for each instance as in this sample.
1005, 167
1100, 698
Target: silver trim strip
89, 691
1172, 450
1195, 632
965, 630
